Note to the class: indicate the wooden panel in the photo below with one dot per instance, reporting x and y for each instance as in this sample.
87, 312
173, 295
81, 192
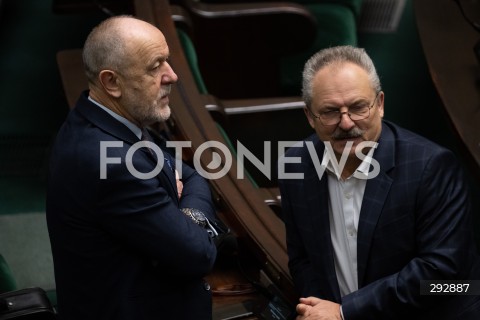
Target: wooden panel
74, 81
448, 41
244, 208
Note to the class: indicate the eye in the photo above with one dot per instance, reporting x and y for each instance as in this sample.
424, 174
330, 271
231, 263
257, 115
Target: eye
329, 112
158, 64
358, 107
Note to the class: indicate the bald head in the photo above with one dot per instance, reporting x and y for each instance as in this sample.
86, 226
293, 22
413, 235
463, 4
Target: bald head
126, 62
112, 43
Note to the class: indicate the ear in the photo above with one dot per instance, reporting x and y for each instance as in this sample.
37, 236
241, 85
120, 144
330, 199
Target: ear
310, 118
381, 100
110, 82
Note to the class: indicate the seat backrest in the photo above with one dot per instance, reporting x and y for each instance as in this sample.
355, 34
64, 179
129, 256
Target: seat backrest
337, 25
239, 45
252, 49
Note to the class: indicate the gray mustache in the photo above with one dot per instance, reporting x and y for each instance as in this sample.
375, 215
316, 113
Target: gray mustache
340, 134
165, 90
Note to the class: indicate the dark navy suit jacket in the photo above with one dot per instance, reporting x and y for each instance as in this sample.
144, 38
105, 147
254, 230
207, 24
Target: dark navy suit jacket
414, 225
122, 249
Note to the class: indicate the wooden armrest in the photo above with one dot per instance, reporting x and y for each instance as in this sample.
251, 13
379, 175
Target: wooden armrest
248, 106
245, 106
181, 18
271, 195
238, 115
272, 198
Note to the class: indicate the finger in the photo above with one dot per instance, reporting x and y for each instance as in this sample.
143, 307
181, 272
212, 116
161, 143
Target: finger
311, 301
301, 308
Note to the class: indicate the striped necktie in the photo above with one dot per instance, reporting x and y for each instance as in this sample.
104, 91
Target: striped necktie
147, 137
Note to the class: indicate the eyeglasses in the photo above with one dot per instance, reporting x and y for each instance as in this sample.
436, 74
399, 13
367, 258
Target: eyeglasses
356, 112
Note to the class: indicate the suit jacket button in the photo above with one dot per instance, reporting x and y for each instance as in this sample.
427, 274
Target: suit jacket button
206, 286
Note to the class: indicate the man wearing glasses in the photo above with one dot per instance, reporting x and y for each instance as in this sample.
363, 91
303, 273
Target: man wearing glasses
369, 243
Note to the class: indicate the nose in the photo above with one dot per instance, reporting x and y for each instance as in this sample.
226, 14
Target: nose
345, 122
170, 76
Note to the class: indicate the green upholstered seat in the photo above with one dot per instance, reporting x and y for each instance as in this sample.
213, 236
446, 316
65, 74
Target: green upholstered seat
26, 258
7, 280
191, 55
337, 25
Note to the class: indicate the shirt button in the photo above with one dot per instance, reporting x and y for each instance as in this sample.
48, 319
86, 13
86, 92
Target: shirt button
348, 195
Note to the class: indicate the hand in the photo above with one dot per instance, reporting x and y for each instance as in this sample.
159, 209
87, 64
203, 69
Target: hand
179, 184
312, 308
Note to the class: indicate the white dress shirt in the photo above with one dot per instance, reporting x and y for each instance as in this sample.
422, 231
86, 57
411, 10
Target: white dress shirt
345, 202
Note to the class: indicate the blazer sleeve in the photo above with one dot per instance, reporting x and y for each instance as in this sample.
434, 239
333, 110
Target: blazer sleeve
444, 247
196, 192
142, 214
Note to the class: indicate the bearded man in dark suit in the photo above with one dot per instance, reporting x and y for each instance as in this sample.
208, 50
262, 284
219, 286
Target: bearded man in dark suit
130, 232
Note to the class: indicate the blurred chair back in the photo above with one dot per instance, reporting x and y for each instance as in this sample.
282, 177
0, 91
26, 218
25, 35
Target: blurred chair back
249, 49
239, 45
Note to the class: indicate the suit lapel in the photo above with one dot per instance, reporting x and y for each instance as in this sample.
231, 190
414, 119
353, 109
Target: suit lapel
376, 192
106, 122
167, 175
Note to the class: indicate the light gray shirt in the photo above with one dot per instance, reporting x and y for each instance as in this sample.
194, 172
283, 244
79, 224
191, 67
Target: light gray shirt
345, 202
130, 125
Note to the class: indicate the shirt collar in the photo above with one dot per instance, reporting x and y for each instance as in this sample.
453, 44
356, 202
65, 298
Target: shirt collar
332, 166
130, 125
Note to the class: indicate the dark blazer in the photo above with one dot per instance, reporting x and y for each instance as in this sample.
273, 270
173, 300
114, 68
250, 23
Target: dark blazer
122, 249
414, 225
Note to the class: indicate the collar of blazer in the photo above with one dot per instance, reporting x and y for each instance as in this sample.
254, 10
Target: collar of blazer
385, 152
107, 123
103, 120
